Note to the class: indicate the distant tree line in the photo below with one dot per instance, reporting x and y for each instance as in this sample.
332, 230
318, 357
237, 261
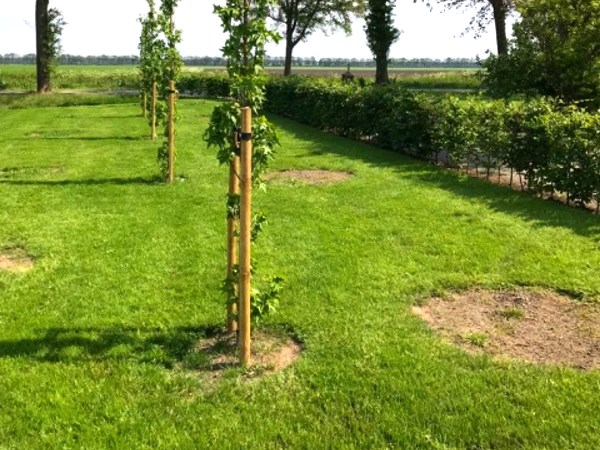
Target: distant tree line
217, 61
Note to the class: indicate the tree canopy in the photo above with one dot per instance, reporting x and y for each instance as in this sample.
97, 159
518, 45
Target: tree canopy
381, 34
555, 52
300, 18
49, 24
488, 11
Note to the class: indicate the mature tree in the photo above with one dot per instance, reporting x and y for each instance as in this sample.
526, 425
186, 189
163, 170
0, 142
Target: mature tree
555, 52
48, 28
499, 11
381, 34
300, 18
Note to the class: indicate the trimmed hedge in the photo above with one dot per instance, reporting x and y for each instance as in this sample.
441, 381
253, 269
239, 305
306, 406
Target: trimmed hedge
556, 148
205, 85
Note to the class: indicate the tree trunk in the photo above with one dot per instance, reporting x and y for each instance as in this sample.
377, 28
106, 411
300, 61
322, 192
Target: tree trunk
381, 70
289, 47
500, 9
42, 58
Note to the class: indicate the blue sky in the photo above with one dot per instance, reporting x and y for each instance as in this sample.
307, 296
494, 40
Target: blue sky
110, 27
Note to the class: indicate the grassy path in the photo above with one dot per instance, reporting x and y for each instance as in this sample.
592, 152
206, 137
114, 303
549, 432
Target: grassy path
94, 341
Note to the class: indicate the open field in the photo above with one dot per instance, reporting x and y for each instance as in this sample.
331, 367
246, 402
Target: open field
112, 77
95, 339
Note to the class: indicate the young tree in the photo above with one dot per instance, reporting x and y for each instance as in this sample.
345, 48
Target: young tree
171, 67
150, 64
49, 24
300, 18
381, 34
246, 146
499, 11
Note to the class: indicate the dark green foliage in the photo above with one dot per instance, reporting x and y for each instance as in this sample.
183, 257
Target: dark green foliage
298, 19
49, 28
381, 34
54, 31
555, 148
205, 85
555, 52
528, 149
488, 11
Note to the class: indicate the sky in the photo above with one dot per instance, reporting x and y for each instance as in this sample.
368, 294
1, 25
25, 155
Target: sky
110, 27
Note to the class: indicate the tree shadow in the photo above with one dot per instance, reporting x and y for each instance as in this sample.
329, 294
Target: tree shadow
526, 206
82, 138
151, 180
164, 347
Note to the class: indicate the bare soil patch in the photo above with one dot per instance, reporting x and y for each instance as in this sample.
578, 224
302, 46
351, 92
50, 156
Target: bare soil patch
15, 260
270, 354
311, 176
534, 326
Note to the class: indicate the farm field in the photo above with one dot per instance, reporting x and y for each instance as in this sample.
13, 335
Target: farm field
95, 339
110, 77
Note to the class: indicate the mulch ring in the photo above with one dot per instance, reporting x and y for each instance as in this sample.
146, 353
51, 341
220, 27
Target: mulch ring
536, 326
271, 353
15, 260
309, 176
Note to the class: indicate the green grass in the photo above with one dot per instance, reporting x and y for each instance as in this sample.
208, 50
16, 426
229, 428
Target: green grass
32, 100
128, 274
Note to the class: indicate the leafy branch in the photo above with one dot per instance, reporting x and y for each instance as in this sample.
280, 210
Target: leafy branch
245, 22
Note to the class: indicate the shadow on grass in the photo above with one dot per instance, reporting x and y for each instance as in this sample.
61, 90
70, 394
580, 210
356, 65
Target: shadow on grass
162, 347
86, 182
497, 198
82, 138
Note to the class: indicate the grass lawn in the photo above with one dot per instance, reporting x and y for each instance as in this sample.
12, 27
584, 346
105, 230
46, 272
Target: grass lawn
95, 339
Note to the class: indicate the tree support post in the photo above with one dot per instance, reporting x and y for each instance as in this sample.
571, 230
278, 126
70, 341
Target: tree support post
171, 136
232, 238
245, 232
153, 118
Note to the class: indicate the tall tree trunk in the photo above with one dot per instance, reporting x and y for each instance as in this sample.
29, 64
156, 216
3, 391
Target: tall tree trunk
500, 10
289, 47
381, 69
42, 58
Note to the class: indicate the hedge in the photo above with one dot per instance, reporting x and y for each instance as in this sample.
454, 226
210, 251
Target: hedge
556, 148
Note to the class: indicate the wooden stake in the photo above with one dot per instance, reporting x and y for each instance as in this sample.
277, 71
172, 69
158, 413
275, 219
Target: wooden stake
153, 118
232, 239
171, 131
245, 231
145, 105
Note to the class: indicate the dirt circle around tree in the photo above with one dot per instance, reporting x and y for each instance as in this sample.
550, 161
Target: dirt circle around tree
15, 260
535, 326
308, 176
271, 353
